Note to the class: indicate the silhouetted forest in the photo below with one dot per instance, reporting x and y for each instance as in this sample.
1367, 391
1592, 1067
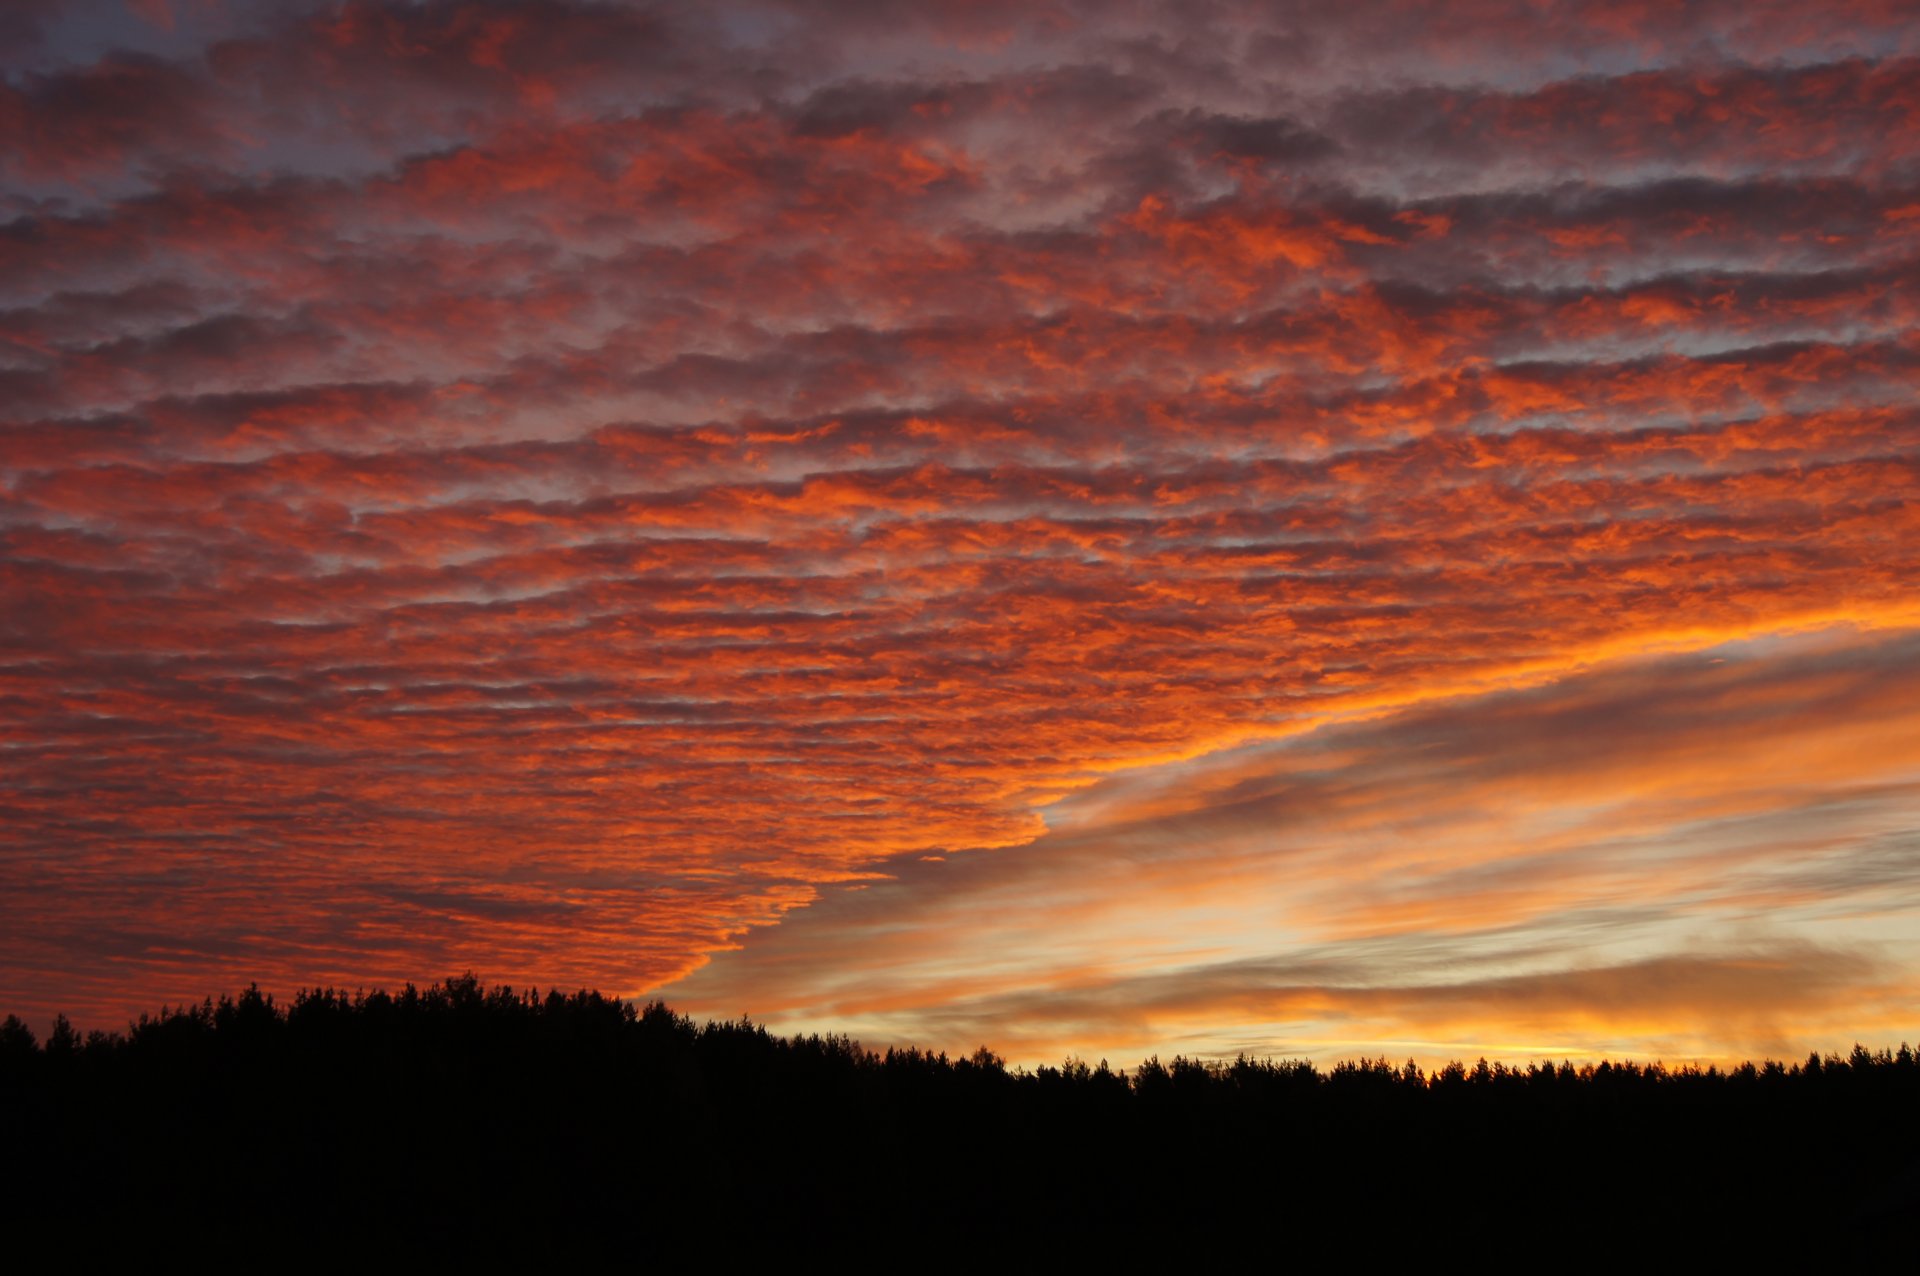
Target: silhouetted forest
467, 1116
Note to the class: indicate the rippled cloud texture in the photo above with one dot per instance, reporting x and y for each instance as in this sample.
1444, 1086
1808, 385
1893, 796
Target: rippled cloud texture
1297, 527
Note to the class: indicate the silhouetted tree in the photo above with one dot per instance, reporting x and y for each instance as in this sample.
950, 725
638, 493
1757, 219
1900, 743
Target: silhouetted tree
574, 1106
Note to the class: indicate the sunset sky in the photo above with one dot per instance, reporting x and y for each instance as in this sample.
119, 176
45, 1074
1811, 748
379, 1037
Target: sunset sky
1308, 528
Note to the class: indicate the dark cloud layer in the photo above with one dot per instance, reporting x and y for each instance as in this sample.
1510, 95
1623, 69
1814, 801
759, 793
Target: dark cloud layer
551, 487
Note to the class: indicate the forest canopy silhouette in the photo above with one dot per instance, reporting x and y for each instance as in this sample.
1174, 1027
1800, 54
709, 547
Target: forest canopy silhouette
423, 1101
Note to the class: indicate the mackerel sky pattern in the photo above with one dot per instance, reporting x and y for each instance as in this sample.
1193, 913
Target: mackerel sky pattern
558, 488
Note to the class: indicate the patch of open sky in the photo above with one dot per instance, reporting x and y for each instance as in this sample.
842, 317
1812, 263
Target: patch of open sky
491, 708
1772, 646
1677, 262
479, 594
1494, 425
1392, 176
1696, 343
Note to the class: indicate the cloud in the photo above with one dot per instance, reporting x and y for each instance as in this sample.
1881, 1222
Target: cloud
560, 488
1603, 862
121, 111
1654, 1008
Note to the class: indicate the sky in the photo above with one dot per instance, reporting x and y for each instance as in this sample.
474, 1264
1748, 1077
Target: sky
1088, 528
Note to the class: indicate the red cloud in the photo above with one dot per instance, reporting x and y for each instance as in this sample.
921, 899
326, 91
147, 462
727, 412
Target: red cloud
552, 488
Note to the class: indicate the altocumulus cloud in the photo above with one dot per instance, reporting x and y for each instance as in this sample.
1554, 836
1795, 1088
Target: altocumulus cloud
574, 489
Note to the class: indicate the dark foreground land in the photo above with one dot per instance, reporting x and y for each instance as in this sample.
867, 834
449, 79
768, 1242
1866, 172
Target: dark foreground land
471, 1119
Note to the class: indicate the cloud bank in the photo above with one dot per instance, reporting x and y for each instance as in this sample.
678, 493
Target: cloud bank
556, 488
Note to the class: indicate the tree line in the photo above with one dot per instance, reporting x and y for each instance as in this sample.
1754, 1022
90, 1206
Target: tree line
410, 1110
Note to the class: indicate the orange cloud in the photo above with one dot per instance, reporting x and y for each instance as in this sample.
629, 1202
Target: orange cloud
569, 490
